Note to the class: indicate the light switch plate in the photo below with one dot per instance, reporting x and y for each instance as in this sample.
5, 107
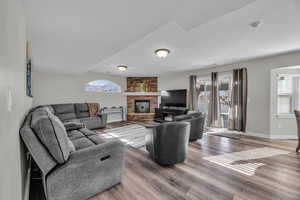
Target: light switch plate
9, 100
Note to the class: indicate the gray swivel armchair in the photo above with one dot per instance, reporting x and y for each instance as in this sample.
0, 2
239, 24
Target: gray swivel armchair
167, 143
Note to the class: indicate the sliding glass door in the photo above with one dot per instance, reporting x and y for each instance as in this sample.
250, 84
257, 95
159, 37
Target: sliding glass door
225, 90
204, 84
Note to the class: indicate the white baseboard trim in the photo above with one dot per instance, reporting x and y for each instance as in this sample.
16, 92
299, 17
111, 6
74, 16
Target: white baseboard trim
286, 137
261, 135
254, 134
273, 137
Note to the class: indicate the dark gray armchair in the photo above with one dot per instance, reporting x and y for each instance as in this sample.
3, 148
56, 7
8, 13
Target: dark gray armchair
75, 162
167, 143
197, 124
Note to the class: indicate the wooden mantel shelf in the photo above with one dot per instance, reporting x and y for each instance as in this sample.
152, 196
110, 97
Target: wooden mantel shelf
142, 93
141, 113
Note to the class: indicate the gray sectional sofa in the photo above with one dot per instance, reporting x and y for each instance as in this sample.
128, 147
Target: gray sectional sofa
75, 162
78, 112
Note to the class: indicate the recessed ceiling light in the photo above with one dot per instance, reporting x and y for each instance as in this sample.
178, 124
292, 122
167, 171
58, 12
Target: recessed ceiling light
255, 24
122, 67
162, 53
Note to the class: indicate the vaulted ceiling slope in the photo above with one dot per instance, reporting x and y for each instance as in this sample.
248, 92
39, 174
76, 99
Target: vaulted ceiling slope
76, 36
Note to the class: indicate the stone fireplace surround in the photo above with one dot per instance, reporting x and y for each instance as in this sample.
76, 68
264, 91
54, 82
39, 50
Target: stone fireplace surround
134, 93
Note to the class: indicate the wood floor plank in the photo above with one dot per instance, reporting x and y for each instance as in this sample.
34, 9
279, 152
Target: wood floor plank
197, 178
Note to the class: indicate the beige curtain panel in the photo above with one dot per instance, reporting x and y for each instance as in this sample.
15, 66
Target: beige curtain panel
238, 114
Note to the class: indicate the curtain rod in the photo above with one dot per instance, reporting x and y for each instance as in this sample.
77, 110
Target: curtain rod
209, 73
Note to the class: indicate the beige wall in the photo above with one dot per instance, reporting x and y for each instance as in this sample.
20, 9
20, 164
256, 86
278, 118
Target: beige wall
259, 89
51, 88
12, 78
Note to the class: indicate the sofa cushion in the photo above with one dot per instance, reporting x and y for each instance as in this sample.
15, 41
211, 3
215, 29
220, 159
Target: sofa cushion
75, 134
82, 110
64, 111
87, 132
82, 143
182, 117
70, 126
195, 114
51, 133
97, 139
71, 146
84, 138
92, 122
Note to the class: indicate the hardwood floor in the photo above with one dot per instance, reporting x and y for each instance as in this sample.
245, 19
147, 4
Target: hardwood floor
199, 179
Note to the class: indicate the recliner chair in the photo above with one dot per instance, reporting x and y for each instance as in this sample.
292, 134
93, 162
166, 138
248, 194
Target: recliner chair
168, 142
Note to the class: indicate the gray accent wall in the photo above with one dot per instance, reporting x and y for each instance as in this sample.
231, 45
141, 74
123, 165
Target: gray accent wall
13, 101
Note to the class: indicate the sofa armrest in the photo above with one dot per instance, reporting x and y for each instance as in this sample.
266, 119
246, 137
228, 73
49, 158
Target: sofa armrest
151, 125
181, 117
94, 169
103, 117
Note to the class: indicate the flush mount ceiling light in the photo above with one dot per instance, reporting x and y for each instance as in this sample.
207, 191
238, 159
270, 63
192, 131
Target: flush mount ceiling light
255, 24
122, 68
162, 53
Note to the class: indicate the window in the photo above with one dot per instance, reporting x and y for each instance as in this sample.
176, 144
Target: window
287, 93
102, 86
204, 85
225, 89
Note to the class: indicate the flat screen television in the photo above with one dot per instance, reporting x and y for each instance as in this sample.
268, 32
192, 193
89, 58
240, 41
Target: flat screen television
176, 98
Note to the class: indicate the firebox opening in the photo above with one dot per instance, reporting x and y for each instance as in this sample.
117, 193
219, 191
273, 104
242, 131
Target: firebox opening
142, 106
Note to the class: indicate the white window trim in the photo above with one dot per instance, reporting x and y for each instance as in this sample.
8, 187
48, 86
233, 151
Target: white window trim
294, 97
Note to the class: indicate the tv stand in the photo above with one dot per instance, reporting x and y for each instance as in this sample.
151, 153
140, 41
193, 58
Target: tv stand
162, 113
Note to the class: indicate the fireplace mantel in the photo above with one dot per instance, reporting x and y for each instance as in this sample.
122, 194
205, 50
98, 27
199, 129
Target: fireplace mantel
141, 89
142, 93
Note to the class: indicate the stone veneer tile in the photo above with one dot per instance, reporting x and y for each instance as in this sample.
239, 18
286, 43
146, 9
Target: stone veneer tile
151, 85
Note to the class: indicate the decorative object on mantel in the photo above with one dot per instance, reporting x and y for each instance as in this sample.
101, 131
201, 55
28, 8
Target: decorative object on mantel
142, 84
141, 87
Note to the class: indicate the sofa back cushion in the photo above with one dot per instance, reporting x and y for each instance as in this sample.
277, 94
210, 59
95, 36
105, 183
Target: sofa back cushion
82, 110
195, 115
182, 117
64, 112
52, 134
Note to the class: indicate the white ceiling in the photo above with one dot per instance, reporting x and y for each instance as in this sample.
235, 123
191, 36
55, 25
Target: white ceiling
76, 36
